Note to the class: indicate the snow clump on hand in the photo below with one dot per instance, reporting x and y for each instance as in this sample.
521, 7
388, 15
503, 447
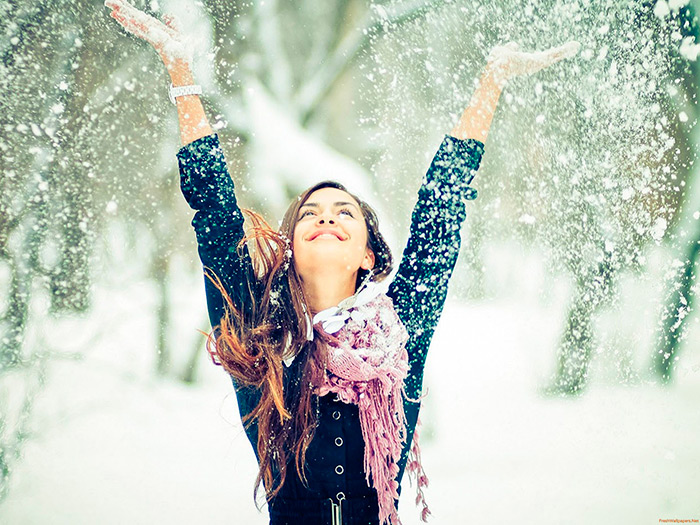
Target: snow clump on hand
507, 61
164, 37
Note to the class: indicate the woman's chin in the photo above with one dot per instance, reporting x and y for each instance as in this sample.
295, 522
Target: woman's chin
324, 266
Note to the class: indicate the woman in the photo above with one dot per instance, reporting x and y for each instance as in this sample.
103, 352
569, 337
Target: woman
327, 369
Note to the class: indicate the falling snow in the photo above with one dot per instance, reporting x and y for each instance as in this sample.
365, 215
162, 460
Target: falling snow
575, 275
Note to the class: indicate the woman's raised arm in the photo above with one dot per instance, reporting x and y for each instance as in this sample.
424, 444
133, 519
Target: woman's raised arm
176, 54
419, 288
502, 64
204, 177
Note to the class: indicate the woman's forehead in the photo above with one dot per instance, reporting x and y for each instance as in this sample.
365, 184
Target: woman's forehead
331, 195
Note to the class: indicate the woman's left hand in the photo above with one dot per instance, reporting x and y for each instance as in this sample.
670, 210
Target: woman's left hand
174, 50
506, 62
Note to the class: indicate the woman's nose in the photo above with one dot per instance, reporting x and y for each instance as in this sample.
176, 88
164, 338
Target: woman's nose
322, 219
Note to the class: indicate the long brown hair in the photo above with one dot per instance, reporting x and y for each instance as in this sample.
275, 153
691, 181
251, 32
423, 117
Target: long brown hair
251, 345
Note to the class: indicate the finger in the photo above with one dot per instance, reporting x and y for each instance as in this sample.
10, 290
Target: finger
125, 22
155, 30
115, 4
172, 24
567, 50
571, 48
142, 25
132, 26
138, 15
542, 59
118, 17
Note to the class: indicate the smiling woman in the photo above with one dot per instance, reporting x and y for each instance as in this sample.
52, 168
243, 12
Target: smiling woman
327, 369
311, 321
330, 246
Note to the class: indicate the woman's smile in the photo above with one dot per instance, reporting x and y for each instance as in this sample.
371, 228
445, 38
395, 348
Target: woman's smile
326, 234
330, 246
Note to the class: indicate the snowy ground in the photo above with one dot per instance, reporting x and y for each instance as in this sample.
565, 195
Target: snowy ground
115, 446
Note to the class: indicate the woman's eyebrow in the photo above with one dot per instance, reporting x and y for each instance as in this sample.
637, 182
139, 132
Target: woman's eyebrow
340, 203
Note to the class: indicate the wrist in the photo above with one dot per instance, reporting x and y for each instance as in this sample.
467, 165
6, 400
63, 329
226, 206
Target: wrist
181, 76
494, 76
183, 91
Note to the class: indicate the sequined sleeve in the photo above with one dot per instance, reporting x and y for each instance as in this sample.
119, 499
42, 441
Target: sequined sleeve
419, 287
218, 222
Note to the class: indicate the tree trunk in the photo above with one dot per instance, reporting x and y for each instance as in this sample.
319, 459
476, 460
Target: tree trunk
577, 340
15, 317
189, 374
161, 264
686, 244
678, 306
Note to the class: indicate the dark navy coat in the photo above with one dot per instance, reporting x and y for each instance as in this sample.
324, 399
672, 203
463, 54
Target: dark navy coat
335, 456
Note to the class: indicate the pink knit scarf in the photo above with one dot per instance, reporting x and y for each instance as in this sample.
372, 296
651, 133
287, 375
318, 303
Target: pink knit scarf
367, 365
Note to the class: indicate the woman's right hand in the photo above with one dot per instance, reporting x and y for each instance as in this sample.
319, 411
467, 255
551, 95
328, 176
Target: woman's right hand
165, 38
507, 61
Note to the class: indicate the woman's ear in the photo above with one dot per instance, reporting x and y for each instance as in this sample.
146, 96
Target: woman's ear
368, 261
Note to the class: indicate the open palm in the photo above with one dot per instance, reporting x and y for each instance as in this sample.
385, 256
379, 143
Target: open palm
508, 61
164, 37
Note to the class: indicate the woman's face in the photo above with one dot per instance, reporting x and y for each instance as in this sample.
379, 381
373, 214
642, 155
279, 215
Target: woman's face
330, 236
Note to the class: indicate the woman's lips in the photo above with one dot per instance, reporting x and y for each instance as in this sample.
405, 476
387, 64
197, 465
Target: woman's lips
325, 234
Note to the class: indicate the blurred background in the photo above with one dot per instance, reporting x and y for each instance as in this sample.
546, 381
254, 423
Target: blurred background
564, 379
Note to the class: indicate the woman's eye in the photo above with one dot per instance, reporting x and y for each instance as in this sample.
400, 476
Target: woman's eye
344, 210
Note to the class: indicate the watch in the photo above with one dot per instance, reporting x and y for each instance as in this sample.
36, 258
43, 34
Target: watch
181, 91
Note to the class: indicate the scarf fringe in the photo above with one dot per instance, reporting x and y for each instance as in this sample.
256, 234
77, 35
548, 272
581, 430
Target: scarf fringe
415, 469
367, 365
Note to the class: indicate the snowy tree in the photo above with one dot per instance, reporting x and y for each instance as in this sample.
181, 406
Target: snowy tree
89, 137
684, 238
586, 161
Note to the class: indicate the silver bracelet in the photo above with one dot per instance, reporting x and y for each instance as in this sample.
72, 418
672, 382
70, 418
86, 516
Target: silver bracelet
181, 91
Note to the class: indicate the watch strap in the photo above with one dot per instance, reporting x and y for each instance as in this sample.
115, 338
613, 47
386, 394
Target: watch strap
181, 91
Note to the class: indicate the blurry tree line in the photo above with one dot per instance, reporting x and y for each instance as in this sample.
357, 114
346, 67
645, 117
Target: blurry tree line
591, 162
88, 141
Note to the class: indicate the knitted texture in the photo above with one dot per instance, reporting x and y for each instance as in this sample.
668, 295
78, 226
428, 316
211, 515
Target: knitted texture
367, 365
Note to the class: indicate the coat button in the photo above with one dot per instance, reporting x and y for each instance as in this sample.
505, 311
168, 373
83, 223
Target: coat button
339, 469
336, 415
338, 441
